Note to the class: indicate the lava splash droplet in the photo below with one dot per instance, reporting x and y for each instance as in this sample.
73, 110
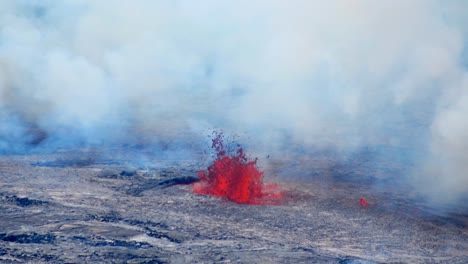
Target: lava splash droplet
363, 202
235, 177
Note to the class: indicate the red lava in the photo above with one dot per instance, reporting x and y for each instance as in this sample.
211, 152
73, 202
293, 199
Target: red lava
236, 177
363, 202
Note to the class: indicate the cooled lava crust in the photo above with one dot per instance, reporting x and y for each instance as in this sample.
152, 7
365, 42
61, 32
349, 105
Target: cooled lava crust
75, 207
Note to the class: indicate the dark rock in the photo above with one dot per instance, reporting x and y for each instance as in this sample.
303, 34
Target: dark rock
23, 202
60, 163
28, 238
126, 173
161, 184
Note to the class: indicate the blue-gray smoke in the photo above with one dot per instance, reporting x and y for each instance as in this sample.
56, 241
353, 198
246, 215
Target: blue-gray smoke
319, 74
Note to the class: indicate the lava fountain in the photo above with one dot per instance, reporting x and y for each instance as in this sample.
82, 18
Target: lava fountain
236, 177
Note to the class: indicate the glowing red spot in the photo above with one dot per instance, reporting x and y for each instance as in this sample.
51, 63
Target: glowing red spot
236, 178
363, 202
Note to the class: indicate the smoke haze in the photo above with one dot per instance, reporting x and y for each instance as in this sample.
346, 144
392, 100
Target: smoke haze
320, 74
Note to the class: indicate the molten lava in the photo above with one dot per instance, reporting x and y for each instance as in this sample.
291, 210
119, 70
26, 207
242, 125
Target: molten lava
363, 202
235, 177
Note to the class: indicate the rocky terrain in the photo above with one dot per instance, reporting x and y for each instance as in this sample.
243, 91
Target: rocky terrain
72, 207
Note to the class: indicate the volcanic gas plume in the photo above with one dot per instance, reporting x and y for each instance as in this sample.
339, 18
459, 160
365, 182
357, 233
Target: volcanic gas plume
338, 75
234, 176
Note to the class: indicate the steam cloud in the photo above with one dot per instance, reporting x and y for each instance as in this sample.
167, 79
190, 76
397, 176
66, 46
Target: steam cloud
333, 74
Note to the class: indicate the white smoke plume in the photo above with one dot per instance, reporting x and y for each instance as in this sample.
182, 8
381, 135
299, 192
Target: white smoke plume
336, 74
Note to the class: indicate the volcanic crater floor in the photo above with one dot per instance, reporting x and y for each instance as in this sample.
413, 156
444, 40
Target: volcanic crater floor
72, 207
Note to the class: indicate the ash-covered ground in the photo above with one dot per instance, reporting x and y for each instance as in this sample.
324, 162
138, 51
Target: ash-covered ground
78, 207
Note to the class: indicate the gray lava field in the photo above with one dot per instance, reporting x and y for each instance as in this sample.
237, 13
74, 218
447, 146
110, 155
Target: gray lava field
73, 208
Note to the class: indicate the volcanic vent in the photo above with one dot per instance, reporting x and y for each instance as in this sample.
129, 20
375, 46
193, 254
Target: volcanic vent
235, 176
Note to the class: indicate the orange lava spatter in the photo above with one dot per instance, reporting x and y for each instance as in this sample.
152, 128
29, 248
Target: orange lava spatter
236, 178
363, 202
